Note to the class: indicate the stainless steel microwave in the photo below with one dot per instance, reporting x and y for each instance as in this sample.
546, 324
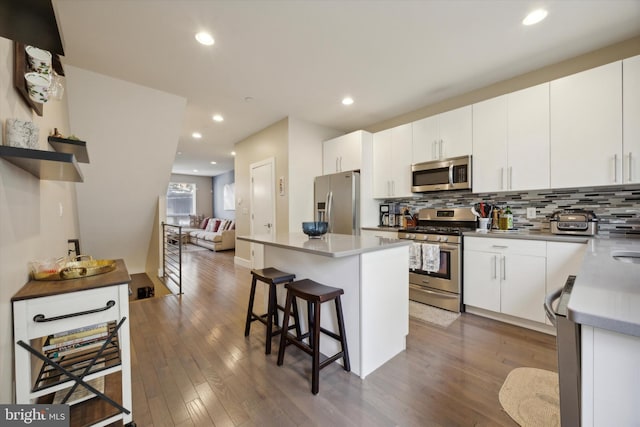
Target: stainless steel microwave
439, 175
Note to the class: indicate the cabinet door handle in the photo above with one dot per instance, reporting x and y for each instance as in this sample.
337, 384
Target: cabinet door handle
340, 164
494, 274
337, 167
510, 178
39, 318
434, 149
441, 150
503, 264
615, 168
630, 163
393, 188
502, 178
500, 246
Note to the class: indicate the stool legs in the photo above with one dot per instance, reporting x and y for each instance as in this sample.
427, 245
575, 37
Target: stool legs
252, 294
270, 319
315, 365
285, 326
343, 341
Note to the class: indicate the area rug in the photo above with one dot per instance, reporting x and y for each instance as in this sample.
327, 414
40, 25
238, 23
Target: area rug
432, 314
531, 397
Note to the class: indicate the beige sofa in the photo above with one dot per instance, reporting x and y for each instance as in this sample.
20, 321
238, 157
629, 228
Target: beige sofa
218, 235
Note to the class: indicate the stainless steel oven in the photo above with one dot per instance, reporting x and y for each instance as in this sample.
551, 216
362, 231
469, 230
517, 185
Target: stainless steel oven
443, 228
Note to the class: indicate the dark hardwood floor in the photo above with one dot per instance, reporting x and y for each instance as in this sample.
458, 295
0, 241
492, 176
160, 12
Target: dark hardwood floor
192, 365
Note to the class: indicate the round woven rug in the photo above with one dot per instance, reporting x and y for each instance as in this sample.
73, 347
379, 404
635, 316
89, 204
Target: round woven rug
531, 397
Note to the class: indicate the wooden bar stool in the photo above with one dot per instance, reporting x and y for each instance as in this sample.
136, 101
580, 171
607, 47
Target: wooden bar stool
273, 278
315, 294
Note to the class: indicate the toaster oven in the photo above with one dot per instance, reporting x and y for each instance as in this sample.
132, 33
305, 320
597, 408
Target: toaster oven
574, 221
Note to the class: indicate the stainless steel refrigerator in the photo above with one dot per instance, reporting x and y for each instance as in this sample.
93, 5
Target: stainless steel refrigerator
337, 201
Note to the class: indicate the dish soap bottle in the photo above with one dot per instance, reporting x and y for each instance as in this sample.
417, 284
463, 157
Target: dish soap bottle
509, 216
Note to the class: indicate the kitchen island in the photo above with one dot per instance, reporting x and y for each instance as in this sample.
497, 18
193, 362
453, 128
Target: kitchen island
374, 273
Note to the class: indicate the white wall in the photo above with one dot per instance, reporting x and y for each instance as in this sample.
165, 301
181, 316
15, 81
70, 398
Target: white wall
30, 223
305, 163
132, 134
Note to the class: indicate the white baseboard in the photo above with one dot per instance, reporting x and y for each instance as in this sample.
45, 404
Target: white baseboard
242, 262
524, 323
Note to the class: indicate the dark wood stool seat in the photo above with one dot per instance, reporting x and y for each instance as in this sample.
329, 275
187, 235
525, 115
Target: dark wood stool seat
272, 277
314, 294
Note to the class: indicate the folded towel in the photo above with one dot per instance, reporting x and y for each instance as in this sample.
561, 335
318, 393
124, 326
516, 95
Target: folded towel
415, 256
430, 257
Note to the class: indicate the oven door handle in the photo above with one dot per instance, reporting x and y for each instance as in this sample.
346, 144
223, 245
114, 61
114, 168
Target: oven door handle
548, 305
427, 291
448, 248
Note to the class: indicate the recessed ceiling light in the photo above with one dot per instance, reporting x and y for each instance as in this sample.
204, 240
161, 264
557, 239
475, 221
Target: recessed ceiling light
535, 17
179, 153
214, 163
217, 118
205, 38
195, 170
233, 153
347, 101
196, 135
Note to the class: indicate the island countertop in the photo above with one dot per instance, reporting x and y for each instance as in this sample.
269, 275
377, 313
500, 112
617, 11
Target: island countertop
329, 245
606, 293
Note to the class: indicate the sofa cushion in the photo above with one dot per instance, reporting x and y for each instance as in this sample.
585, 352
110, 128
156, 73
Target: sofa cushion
203, 223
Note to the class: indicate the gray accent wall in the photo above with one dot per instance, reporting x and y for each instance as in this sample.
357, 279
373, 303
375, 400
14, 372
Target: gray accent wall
218, 183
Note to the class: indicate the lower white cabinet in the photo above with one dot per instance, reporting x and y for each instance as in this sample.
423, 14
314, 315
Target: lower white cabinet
380, 233
512, 276
610, 378
505, 276
563, 259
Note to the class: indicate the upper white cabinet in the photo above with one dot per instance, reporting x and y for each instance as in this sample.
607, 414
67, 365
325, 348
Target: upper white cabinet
443, 135
631, 120
392, 162
343, 153
511, 141
586, 128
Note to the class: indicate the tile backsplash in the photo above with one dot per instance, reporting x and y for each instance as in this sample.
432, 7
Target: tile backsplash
617, 207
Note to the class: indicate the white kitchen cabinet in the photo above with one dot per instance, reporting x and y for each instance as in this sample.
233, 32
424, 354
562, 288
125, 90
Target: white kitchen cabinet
511, 141
630, 120
563, 259
442, 136
392, 162
610, 378
586, 128
343, 153
506, 276
380, 233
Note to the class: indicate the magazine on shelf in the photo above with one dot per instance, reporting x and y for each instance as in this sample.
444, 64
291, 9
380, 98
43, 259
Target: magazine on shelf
78, 330
75, 349
77, 335
72, 342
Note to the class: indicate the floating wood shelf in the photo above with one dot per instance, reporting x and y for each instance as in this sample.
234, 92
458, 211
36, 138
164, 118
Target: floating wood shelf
47, 165
70, 146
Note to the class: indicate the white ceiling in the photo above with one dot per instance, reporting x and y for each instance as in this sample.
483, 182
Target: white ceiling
300, 58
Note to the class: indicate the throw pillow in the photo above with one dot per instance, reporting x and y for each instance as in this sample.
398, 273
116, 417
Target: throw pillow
216, 226
203, 223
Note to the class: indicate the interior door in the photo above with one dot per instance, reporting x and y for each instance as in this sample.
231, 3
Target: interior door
263, 210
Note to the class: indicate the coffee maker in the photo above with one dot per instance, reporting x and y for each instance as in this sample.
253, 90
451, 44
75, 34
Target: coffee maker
385, 212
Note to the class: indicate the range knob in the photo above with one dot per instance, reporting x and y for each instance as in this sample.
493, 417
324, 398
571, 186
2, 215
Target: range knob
444, 239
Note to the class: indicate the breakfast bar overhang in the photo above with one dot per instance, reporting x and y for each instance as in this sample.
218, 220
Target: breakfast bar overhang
374, 273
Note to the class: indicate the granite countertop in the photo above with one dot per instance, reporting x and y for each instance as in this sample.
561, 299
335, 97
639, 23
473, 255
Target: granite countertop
330, 245
606, 293
527, 234
382, 228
